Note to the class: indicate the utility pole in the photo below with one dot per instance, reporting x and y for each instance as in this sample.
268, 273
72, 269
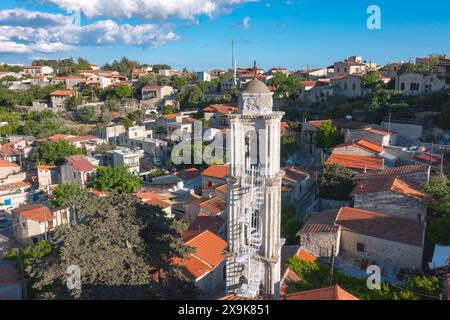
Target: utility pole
22, 277
330, 279
431, 152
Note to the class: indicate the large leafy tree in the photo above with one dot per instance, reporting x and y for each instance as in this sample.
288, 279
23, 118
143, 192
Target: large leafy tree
124, 250
328, 136
53, 153
336, 182
286, 85
116, 178
123, 91
439, 194
67, 195
372, 79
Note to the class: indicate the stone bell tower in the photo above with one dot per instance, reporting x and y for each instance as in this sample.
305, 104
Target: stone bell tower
254, 195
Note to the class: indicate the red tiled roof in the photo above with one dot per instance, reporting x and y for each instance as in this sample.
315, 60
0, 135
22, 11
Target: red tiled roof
58, 137
216, 171
397, 171
7, 149
157, 202
309, 83
171, 116
330, 293
209, 248
188, 174
46, 168
356, 162
221, 108
381, 225
202, 223
62, 93
223, 188
80, 138
380, 131
427, 158
8, 164
321, 222
214, 205
80, 163
392, 183
152, 88
294, 175
363, 144
35, 212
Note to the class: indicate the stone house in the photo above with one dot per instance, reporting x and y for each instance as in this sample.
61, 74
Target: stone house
8, 168
414, 83
296, 184
366, 237
358, 148
213, 177
110, 134
377, 135
348, 85
70, 82
217, 115
152, 96
393, 195
37, 70
59, 97
48, 176
79, 170
33, 222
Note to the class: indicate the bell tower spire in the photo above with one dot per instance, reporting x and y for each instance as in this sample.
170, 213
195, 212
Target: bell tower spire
254, 195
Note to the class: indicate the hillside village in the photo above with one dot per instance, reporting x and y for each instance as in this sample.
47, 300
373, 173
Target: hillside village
365, 150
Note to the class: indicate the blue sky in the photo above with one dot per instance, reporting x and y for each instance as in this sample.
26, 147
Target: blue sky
293, 33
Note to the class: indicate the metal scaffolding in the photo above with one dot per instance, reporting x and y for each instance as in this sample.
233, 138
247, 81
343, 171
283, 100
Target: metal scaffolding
248, 254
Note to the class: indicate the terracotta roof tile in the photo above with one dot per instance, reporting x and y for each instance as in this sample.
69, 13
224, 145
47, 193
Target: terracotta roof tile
62, 93
330, 293
321, 222
214, 205
391, 183
363, 144
221, 108
356, 162
397, 171
80, 163
381, 225
188, 174
216, 171
35, 212
208, 254
8, 164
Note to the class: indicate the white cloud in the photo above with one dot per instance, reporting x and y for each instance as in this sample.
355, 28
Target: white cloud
148, 9
27, 32
245, 24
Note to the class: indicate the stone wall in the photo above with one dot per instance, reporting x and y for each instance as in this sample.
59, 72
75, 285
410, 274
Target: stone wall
410, 131
321, 244
391, 203
382, 251
330, 204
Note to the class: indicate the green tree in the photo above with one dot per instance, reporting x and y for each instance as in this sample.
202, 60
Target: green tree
124, 251
116, 178
123, 91
11, 120
426, 285
439, 194
371, 79
286, 85
73, 102
178, 82
328, 136
290, 224
335, 182
66, 194
88, 114
127, 122
53, 153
